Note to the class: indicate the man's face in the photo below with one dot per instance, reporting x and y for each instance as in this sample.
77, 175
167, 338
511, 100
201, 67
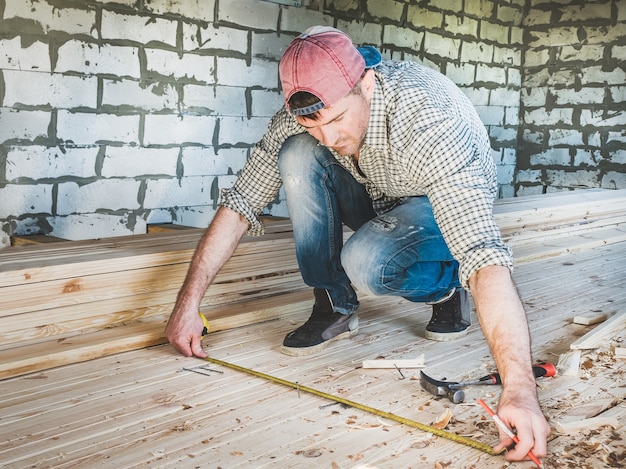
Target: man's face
342, 126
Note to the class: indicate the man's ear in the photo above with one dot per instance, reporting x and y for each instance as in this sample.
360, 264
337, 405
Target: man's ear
368, 83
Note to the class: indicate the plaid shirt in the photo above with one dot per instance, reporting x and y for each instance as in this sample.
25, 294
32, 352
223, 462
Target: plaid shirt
424, 138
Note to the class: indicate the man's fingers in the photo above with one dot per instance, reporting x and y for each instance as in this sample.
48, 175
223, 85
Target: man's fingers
196, 347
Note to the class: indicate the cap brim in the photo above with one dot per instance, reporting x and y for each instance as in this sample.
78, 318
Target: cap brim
370, 54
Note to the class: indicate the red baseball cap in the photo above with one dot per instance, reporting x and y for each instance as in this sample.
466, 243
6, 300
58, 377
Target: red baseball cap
321, 61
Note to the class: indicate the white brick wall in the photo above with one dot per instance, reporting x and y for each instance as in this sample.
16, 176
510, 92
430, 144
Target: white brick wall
39, 162
55, 90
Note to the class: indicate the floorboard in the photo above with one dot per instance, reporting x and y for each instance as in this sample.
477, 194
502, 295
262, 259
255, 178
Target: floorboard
145, 408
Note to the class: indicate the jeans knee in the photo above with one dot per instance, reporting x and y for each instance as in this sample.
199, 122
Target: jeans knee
360, 266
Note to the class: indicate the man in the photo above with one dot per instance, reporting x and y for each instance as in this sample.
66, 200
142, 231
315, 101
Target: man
396, 152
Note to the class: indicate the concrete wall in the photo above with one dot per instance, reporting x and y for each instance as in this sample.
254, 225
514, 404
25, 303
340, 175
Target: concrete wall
116, 114
573, 113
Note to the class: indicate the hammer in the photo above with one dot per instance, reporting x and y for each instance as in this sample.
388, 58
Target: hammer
452, 391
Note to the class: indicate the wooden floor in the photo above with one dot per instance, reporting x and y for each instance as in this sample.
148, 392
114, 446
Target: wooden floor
147, 409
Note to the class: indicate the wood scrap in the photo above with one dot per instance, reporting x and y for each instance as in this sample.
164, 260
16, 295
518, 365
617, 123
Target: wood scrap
382, 363
618, 352
443, 420
590, 318
601, 334
578, 426
569, 363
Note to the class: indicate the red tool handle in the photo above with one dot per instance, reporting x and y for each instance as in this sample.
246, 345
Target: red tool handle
543, 369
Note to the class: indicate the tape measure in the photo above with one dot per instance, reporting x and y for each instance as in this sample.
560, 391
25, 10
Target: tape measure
371, 410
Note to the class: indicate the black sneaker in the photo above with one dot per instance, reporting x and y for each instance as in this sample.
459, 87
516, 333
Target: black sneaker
324, 326
451, 317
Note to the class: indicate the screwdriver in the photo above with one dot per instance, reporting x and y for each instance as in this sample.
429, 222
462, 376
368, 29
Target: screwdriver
542, 369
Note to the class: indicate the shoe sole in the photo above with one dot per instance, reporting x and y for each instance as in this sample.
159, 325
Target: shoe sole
444, 336
308, 351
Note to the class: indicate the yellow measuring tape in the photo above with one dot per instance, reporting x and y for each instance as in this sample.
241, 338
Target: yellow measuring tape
381, 413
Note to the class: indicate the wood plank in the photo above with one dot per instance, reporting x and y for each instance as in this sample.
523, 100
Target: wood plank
601, 333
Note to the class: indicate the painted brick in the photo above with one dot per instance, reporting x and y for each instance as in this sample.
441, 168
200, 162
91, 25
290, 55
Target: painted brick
509, 156
511, 116
189, 66
461, 25
616, 136
494, 32
89, 128
503, 134
509, 15
488, 74
514, 77
554, 36
536, 57
19, 199
533, 137
51, 18
192, 9
135, 28
482, 9
199, 161
361, 33
618, 157
476, 52
529, 190
403, 38
141, 95
462, 75
570, 137
220, 100
266, 103
236, 72
507, 56
23, 125
88, 58
617, 52
239, 130
45, 89
343, 5
586, 158
293, 20
577, 179
159, 216
586, 12
534, 97
424, 18
38, 162
386, 9
96, 225
528, 175
491, 115
591, 53
251, 14
174, 129
599, 118
210, 37
618, 94
545, 77
505, 174
442, 46
110, 194
181, 192
517, 36
596, 75
477, 96
127, 161
554, 156
578, 97
504, 97
594, 139
538, 17
544, 117
614, 180
13, 56
198, 217
269, 45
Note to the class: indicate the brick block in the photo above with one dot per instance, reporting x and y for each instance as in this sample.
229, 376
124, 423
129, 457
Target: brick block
269, 45
614, 180
210, 37
178, 130
586, 13
103, 194
293, 20
534, 97
489, 74
517, 36
181, 192
569, 137
616, 136
529, 190
506, 191
463, 74
597, 75
618, 157
536, 17
497, 33
189, 66
586, 158
23, 125
266, 103
503, 55
618, 94
133, 161
477, 96
159, 216
96, 225
254, 15
19, 199
536, 57
617, 52
198, 217
141, 95
504, 97
462, 25
220, 100
572, 179
136, 28
588, 52
482, 9
442, 46
511, 115
533, 137
45, 89
89, 128
403, 37
491, 115
198, 161
424, 18
545, 117
514, 77
191, 9
236, 72
529, 176
89, 58
39, 162
554, 36
476, 52
505, 174
51, 18
361, 33
386, 9
13, 56
600, 118
239, 130
510, 15
552, 157
503, 135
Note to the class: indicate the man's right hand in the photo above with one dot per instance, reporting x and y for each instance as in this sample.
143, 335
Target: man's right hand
183, 332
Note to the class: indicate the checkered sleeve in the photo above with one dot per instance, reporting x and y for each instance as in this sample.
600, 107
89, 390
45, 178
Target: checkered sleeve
259, 181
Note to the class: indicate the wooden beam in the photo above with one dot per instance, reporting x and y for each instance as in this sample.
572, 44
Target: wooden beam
601, 333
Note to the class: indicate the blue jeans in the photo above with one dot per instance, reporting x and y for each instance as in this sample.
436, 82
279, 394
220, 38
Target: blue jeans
400, 252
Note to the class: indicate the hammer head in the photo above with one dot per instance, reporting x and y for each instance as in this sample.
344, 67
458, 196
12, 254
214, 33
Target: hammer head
441, 388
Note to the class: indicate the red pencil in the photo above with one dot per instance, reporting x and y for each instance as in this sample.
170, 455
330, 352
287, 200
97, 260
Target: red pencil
507, 430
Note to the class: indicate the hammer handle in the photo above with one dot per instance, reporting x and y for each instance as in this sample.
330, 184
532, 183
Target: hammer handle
543, 369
